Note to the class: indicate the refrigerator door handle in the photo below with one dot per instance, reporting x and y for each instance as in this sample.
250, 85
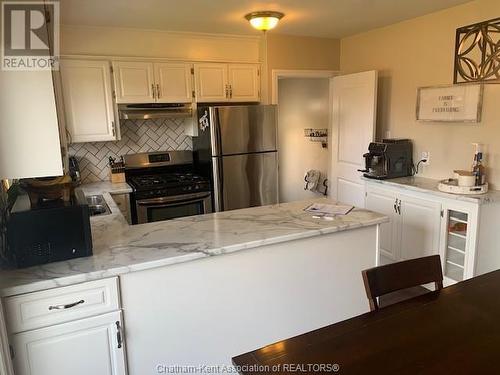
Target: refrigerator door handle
215, 132
217, 173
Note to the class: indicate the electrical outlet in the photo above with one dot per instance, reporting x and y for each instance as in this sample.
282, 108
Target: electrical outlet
427, 156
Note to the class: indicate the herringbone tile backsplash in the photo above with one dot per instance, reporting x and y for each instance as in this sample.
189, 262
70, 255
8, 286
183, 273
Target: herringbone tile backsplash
137, 136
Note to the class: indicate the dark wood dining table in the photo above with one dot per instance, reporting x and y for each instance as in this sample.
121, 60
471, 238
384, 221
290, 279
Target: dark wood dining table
453, 331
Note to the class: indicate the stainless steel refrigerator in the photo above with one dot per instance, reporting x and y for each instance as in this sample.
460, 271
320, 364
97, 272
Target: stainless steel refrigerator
236, 147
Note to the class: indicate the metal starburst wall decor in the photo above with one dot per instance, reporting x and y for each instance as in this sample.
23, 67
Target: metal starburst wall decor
477, 53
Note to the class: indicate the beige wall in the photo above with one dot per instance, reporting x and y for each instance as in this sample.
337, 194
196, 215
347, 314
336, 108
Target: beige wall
420, 52
300, 53
303, 103
107, 41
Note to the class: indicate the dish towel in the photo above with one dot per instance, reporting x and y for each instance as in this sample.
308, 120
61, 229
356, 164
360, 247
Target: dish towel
316, 182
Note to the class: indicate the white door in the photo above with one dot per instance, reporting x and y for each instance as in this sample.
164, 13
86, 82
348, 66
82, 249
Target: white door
88, 100
353, 128
420, 227
82, 347
244, 82
173, 82
134, 82
211, 82
385, 202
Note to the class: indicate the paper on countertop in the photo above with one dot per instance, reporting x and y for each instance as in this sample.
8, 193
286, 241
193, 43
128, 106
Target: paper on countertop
328, 209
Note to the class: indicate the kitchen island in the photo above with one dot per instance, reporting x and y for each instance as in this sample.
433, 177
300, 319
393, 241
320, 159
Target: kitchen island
201, 289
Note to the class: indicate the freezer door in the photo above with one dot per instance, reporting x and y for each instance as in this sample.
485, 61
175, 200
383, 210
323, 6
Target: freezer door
249, 180
245, 129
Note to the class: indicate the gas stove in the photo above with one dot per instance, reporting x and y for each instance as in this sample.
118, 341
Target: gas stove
165, 186
164, 180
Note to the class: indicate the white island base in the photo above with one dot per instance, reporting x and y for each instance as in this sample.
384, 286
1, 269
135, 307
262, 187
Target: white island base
204, 312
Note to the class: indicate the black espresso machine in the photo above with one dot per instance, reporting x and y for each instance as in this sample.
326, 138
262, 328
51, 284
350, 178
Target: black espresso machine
390, 158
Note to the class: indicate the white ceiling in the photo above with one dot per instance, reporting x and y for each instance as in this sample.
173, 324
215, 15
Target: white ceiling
321, 18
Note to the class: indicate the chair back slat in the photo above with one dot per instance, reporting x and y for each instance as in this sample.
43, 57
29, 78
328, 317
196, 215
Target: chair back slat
402, 275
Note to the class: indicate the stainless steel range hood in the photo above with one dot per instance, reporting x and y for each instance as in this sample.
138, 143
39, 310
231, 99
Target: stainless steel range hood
154, 111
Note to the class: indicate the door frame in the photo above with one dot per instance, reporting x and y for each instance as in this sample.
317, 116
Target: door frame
277, 74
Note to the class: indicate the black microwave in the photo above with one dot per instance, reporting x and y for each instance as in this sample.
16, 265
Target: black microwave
51, 232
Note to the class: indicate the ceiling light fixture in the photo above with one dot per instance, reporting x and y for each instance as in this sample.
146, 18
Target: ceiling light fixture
264, 20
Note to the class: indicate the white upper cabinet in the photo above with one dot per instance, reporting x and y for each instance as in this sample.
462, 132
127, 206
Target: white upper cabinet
211, 82
227, 82
148, 82
88, 100
29, 134
134, 81
244, 82
173, 83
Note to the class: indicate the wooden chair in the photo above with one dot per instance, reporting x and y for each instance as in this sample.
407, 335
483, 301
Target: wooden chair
393, 277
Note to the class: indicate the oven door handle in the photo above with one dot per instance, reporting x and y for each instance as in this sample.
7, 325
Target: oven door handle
165, 201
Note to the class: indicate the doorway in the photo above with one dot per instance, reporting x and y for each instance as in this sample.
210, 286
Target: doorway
304, 102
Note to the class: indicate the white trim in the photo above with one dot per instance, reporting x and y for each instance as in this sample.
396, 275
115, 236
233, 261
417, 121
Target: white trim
174, 33
5, 361
154, 59
277, 74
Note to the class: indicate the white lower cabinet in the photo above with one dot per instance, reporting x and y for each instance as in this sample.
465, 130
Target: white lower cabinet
414, 227
75, 330
83, 347
123, 203
385, 203
458, 249
461, 230
420, 227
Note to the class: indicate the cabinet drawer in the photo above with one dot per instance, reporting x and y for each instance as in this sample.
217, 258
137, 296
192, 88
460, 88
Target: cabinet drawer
41, 309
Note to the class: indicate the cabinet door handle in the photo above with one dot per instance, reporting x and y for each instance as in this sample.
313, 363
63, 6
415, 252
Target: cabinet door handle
113, 128
396, 205
230, 91
153, 90
399, 207
68, 306
158, 92
119, 334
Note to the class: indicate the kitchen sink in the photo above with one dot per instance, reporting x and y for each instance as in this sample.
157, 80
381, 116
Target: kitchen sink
97, 205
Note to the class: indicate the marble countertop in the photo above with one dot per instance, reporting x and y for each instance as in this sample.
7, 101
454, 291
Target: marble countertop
120, 248
428, 185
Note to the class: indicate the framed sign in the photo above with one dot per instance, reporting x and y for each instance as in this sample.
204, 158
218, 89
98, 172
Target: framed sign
454, 103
